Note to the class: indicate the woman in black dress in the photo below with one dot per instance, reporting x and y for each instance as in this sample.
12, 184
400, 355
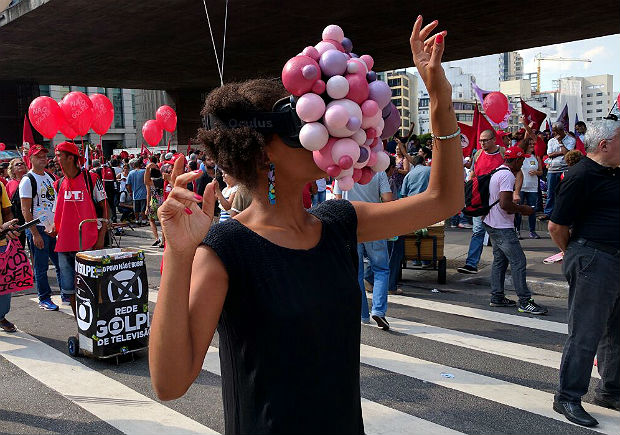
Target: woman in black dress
279, 282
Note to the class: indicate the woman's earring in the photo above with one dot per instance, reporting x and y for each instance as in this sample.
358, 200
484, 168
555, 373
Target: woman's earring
271, 176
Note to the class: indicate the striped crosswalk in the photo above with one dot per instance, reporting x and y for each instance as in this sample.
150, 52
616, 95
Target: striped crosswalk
417, 378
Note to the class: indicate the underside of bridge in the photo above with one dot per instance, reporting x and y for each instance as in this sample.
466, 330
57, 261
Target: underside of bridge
165, 44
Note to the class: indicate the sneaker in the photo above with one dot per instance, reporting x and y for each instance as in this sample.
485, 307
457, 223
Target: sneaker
532, 307
398, 291
381, 322
533, 235
7, 326
467, 269
156, 243
503, 303
466, 226
366, 321
48, 305
66, 300
453, 226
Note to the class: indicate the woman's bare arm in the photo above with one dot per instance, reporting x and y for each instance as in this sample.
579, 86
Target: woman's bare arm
445, 193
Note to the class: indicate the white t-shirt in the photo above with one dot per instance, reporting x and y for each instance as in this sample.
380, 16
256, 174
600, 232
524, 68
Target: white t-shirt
553, 146
44, 199
530, 182
321, 184
502, 181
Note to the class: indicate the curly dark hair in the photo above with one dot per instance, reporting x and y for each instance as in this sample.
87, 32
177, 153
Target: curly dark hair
240, 151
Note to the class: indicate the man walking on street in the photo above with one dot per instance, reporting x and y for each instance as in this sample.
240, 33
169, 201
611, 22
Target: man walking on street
38, 200
377, 190
499, 223
136, 187
588, 199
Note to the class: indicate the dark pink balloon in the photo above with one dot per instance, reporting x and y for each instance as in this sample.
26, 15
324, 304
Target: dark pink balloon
358, 88
152, 132
392, 123
103, 113
293, 78
357, 174
167, 117
45, 116
367, 175
78, 111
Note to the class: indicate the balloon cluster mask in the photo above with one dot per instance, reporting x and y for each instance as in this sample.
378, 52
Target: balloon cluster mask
345, 111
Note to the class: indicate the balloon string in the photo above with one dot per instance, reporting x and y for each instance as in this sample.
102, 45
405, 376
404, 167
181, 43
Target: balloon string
220, 69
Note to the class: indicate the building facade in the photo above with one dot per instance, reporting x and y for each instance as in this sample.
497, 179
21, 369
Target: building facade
510, 66
595, 93
404, 87
147, 101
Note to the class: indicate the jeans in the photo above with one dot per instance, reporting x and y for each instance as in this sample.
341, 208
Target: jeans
459, 219
527, 198
66, 261
318, 198
593, 323
396, 252
5, 300
553, 179
40, 262
377, 253
507, 249
476, 243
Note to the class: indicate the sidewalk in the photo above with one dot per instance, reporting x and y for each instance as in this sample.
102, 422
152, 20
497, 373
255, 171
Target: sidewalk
542, 279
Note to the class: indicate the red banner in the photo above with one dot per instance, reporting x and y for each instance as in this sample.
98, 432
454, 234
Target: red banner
532, 115
15, 270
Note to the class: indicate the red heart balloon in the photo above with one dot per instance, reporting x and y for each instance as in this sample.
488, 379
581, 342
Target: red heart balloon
103, 113
45, 116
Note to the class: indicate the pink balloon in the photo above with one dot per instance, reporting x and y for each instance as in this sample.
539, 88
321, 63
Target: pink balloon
310, 107
380, 92
67, 131
313, 136
367, 175
337, 87
167, 117
311, 52
495, 106
333, 31
152, 132
392, 123
357, 174
345, 162
318, 87
78, 111
336, 44
345, 147
45, 116
358, 88
293, 78
370, 108
359, 136
371, 132
346, 183
323, 46
383, 161
372, 160
103, 113
368, 60
333, 171
323, 157
336, 116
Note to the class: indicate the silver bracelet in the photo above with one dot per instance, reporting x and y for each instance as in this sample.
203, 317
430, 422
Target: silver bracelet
451, 136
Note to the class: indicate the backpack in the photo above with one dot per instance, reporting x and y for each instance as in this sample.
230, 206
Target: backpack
16, 202
477, 194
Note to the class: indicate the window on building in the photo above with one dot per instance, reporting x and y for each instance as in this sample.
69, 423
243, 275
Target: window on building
397, 102
117, 102
599, 102
406, 123
44, 90
396, 92
589, 119
78, 89
101, 91
588, 95
423, 102
589, 103
133, 107
599, 110
394, 82
589, 111
406, 92
599, 118
599, 94
406, 113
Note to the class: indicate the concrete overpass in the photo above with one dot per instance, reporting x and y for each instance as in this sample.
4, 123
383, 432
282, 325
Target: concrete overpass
165, 44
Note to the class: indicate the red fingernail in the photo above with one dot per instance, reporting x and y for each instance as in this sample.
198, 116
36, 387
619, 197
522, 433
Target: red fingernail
439, 39
198, 197
188, 211
197, 171
419, 16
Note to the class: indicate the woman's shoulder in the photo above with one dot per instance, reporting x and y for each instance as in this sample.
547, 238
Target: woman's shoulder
336, 211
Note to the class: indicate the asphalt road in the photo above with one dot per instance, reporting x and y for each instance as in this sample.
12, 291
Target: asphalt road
449, 365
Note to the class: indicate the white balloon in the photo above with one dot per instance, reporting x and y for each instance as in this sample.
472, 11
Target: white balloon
313, 136
337, 87
353, 109
371, 121
383, 161
345, 173
359, 136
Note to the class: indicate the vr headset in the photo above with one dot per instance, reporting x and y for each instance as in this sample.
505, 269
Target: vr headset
282, 120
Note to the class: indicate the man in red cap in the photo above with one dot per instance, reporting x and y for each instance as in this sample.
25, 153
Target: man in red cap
38, 200
80, 194
499, 223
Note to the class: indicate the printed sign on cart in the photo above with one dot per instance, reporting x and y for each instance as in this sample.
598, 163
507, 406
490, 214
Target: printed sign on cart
112, 309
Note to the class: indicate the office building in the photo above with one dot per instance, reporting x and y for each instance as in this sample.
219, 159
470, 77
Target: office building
590, 98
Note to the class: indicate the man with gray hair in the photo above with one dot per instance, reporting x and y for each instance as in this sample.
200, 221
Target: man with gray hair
557, 147
588, 199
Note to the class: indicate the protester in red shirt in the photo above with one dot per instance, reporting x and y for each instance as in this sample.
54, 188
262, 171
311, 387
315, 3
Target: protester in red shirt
79, 194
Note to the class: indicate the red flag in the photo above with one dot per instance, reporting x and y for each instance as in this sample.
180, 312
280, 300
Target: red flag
540, 149
168, 149
579, 145
189, 145
28, 138
468, 138
532, 115
548, 128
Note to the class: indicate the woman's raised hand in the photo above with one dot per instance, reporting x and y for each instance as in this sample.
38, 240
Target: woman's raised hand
427, 51
184, 223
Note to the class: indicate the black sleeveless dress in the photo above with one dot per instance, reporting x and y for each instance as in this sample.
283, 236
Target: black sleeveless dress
290, 329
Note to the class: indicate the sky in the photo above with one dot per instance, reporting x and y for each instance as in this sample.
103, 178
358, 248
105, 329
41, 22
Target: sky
604, 52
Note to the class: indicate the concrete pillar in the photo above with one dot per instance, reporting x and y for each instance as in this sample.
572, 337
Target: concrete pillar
188, 104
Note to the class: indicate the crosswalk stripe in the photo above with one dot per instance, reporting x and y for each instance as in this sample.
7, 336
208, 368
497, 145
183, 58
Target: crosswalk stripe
477, 313
517, 351
514, 395
378, 419
106, 398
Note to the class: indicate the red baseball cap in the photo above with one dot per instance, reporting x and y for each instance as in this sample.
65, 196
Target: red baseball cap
68, 147
36, 149
514, 153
